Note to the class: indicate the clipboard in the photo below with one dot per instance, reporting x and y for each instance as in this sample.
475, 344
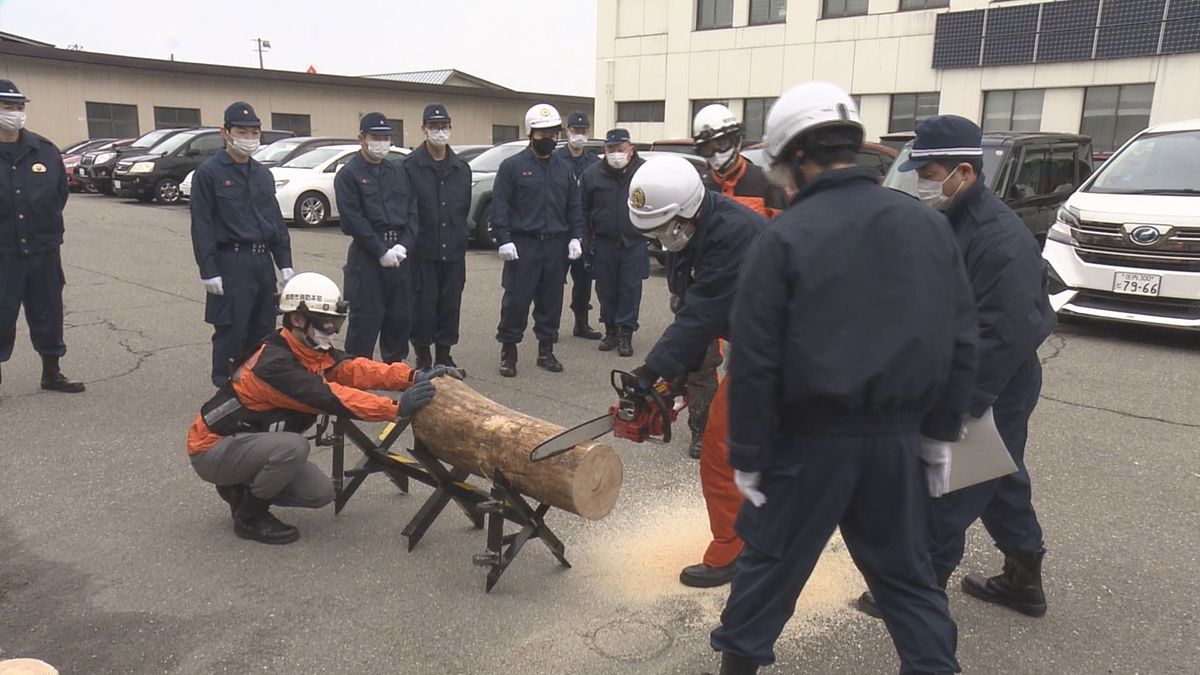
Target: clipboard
980, 456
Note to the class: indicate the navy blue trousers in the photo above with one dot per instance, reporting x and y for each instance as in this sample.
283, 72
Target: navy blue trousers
581, 283
437, 301
245, 314
380, 306
536, 278
874, 489
35, 282
619, 272
1005, 505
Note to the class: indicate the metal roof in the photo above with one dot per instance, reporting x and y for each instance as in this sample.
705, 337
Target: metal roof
444, 76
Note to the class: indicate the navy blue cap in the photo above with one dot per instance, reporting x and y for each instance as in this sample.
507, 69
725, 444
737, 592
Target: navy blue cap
375, 123
10, 93
943, 136
241, 114
578, 119
435, 112
616, 136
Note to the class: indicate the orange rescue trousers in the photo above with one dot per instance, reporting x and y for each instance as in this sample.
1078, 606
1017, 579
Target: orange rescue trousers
721, 495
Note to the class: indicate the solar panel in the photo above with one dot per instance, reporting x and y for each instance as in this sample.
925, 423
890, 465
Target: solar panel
1011, 32
1182, 35
1070, 15
1131, 11
1129, 28
956, 39
1183, 9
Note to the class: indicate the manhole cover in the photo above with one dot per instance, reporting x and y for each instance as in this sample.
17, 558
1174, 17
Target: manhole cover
630, 640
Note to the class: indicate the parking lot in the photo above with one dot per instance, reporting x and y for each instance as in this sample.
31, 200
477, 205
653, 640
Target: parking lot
116, 558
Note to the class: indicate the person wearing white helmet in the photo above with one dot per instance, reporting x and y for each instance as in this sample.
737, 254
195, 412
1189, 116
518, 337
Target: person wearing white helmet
538, 225
852, 357
718, 135
706, 236
290, 377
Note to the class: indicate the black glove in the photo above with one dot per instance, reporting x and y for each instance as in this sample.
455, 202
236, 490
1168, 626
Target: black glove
438, 371
416, 397
646, 376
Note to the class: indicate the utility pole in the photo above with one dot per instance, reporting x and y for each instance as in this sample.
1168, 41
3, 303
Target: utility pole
262, 44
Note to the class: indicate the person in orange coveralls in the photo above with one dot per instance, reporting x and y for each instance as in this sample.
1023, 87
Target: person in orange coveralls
292, 376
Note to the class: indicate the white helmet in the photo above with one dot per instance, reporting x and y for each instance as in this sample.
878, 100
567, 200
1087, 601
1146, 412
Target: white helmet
542, 116
312, 293
806, 107
713, 122
663, 188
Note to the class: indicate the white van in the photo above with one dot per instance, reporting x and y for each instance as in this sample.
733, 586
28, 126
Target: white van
1126, 245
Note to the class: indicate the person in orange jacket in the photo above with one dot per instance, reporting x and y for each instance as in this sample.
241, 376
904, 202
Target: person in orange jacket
292, 376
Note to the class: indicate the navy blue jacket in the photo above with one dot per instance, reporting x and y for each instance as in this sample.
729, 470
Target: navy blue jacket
1008, 277
372, 199
443, 202
604, 193
33, 192
578, 164
235, 203
533, 196
704, 276
854, 317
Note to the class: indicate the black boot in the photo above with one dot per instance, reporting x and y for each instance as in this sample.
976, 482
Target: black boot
697, 435
424, 358
866, 601
233, 495
611, 338
54, 380
508, 359
732, 664
1018, 587
582, 329
703, 576
625, 341
546, 358
253, 520
442, 357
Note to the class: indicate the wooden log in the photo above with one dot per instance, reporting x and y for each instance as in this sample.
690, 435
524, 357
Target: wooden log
470, 431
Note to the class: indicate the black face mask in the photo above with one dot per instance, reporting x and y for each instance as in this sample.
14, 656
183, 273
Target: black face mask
543, 146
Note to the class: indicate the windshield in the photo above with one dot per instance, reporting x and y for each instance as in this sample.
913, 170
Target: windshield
275, 151
313, 158
1167, 163
489, 160
173, 143
152, 138
906, 181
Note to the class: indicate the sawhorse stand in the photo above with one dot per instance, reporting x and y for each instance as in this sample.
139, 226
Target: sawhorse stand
492, 507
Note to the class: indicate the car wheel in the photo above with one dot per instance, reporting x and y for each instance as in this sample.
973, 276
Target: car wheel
166, 191
312, 210
90, 188
483, 227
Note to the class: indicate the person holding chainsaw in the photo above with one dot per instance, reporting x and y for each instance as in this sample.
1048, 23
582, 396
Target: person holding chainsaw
291, 377
706, 236
851, 363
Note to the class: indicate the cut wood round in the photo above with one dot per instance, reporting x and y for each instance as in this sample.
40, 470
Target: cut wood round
472, 432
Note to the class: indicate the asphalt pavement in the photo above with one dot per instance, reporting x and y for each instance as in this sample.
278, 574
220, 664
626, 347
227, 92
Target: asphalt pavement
116, 558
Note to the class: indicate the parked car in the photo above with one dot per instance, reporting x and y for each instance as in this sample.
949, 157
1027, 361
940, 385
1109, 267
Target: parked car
285, 149
80, 147
304, 185
1032, 172
74, 153
469, 152
872, 155
96, 167
1126, 245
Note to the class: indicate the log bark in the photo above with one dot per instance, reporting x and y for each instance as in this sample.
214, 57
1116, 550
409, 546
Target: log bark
470, 431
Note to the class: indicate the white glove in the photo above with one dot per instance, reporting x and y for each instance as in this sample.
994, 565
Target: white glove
390, 258
936, 455
747, 484
401, 252
574, 249
508, 252
213, 286
287, 273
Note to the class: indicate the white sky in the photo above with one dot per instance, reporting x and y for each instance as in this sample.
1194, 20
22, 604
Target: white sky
545, 47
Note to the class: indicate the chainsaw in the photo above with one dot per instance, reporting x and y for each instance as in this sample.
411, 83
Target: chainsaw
640, 414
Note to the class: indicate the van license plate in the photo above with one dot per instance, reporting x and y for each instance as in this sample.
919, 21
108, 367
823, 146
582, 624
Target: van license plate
117, 185
1136, 284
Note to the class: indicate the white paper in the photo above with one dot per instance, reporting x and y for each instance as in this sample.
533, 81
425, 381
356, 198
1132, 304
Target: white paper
981, 456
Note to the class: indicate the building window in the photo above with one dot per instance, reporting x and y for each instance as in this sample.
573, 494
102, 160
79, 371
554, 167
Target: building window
908, 110
700, 103
503, 133
176, 118
301, 125
1112, 115
1013, 110
714, 14
397, 131
833, 9
112, 120
906, 5
767, 11
754, 117
641, 111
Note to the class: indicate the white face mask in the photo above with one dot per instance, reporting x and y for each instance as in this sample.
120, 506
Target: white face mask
438, 136
576, 141
378, 149
12, 120
930, 191
244, 146
675, 237
617, 160
720, 160
319, 339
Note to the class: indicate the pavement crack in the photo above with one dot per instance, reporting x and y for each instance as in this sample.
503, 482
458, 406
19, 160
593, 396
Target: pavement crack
1122, 413
1058, 343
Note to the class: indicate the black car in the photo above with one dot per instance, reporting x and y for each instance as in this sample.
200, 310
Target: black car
285, 149
1033, 172
96, 167
156, 175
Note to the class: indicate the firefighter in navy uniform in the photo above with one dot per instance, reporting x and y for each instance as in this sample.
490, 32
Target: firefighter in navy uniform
579, 269
33, 192
852, 351
236, 232
379, 213
706, 236
538, 225
441, 187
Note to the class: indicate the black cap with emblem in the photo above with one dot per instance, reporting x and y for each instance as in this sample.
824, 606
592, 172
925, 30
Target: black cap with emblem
10, 93
241, 114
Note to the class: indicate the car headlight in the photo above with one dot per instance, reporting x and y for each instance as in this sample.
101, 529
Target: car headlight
1066, 220
104, 157
142, 167
280, 183
474, 183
